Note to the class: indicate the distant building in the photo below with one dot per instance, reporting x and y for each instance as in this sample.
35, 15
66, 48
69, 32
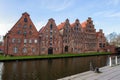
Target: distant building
24, 39
101, 41
90, 40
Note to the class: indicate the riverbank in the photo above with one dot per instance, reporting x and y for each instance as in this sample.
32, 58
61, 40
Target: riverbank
53, 56
106, 73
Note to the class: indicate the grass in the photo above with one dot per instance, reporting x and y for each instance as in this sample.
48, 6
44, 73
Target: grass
66, 55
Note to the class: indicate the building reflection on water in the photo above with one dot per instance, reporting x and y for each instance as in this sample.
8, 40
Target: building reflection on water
50, 69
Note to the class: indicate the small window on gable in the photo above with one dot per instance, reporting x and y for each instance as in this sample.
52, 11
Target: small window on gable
13, 40
50, 33
19, 41
30, 26
25, 20
30, 32
25, 26
77, 24
19, 32
51, 26
25, 33
19, 25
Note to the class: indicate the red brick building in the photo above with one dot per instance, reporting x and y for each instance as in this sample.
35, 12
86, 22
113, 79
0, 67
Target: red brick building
101, 41
90, 40
50, 39
24, 39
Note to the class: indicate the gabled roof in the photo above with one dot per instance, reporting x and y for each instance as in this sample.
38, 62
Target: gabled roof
42, 30
83, 24
60, 26
73, 24
97, 34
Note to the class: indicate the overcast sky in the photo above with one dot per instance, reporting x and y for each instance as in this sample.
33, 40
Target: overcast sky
105, 13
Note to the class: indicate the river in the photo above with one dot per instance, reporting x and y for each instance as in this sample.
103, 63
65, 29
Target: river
50, 69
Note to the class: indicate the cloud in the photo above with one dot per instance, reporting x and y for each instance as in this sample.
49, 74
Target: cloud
109, 14
56, 5
113, 2
5, 28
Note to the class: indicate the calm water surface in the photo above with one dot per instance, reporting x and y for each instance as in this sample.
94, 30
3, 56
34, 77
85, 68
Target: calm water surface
51, 69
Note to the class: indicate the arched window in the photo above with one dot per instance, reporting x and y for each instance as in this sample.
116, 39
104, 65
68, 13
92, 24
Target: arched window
19, 32
13, 40
25, 33
19, 41
51, 26
24, 50
33, 50
25, 20
25, 26
15, 50
30, 26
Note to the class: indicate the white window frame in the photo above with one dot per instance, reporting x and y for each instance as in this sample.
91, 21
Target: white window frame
35, 41
15, 49
24, 50
25, 41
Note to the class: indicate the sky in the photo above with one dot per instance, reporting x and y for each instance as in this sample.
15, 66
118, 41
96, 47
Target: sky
104, 13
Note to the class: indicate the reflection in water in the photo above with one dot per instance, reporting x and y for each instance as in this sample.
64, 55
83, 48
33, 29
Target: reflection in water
49, 69
1, 68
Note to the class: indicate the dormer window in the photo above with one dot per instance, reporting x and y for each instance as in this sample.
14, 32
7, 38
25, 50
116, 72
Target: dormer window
25, 19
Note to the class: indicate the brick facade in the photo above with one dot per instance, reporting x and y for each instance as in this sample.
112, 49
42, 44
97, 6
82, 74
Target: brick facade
101, 41
24, 39
50, 39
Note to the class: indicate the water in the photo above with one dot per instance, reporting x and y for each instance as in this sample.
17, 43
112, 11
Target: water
50, 69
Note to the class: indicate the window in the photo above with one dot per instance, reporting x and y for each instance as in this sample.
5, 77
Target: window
25, 33
30, 41
50, 38
50, 43
25, 26
46, 36
25, 40
13, 40
19, 32
35, 40
15, 49
19, 41
50, 33
30, 32
77, 24
25, 19
30, 26
19, 25
100, 45
51, 26
33, 50
24, 50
